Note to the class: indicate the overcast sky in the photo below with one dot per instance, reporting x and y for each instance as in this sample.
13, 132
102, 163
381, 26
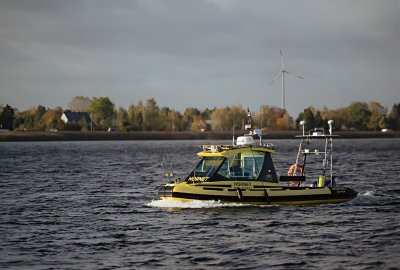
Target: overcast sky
201, 53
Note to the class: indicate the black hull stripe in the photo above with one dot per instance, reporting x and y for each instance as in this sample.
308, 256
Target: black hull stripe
270, 199
205, 185
336, 194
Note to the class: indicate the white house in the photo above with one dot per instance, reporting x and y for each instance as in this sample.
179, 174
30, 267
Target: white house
71, 117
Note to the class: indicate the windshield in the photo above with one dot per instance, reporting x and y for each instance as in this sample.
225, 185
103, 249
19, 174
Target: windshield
207, 166
246, 166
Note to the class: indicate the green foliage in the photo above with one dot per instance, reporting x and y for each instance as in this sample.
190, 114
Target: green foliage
26, 120
394, 117
308, 116
135, 118
377, 120
206, 114
358, 115
38, 121
151, 119
7, 117
121, 119
31, 119
40, 111
102, 112
319, 122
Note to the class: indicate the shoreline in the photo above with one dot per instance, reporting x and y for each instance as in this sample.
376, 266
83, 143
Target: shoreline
16, 136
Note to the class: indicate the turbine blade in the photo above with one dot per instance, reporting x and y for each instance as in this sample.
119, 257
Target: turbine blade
297, 76
277, 77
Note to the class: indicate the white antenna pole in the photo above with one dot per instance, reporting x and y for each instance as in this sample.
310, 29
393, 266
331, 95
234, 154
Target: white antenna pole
283, 80
283, 89
233, 129
330, 123
302, 123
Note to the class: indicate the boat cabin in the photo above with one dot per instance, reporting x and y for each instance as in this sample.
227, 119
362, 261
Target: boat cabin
224, 163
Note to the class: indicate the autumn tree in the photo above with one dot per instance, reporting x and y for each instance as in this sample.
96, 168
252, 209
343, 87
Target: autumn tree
139, 118
175, 118
378, 115
52, 119
206, 113
40, 110
228, 118
164, 119
273, 118
287, 122
25, 120
338, 115
219, 120
170, 119
38, 121
131, 117
198, 123
151, 115
188, 117
121, 120
265, 117
135, 117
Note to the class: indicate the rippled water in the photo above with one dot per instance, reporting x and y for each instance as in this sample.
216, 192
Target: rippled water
94, 205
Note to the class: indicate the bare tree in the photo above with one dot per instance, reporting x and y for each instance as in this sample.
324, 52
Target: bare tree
80, 104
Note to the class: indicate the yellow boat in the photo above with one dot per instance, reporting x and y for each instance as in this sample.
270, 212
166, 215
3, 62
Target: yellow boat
245, 173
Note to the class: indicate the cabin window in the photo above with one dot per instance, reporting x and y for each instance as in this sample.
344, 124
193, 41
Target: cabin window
242, 166
207, 167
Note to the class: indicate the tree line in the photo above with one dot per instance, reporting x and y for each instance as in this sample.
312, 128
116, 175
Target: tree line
148, 116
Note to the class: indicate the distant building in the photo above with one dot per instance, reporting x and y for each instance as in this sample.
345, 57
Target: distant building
208, 124
69, 117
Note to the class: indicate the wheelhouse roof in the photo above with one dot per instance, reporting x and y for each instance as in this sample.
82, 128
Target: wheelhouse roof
319, 136
230, 150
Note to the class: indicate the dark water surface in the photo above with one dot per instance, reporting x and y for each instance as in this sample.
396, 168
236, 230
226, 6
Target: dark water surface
93, 205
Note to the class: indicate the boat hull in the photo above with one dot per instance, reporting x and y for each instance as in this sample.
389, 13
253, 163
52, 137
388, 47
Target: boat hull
276, 195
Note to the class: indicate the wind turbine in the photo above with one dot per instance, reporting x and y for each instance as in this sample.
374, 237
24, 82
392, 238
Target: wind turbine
282, 73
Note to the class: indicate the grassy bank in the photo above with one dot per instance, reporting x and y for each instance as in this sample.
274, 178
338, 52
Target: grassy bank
103, 136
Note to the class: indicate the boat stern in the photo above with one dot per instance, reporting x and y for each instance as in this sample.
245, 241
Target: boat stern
165, 191
344, 193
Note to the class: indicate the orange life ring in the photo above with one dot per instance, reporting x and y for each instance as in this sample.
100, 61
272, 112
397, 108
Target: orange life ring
292, 168
292, 171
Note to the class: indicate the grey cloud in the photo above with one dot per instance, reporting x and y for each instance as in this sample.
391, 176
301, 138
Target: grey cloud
196, 49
